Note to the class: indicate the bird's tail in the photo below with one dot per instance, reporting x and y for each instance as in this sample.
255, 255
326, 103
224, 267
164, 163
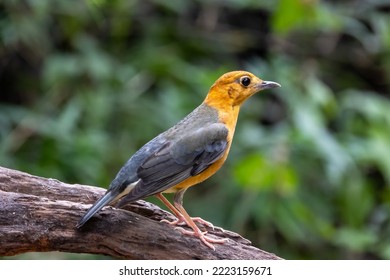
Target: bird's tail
107, 198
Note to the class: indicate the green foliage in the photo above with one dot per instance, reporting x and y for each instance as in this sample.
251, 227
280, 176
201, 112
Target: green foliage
84, 84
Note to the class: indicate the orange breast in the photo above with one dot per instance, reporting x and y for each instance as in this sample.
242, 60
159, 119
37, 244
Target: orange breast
229, 118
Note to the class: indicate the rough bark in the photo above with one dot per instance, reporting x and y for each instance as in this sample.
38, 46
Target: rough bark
39, 215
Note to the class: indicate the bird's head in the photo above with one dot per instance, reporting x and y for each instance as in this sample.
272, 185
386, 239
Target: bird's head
233, 88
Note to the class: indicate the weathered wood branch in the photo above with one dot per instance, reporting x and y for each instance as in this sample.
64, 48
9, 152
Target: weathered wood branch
39, 214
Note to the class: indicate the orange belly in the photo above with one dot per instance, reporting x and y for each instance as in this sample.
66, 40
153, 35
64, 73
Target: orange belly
229, 119
202, 176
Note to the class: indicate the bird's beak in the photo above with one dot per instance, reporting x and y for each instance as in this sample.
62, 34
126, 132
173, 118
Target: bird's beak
267, 85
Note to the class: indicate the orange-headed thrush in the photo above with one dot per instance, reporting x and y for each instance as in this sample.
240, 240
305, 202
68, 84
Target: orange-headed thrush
186, 154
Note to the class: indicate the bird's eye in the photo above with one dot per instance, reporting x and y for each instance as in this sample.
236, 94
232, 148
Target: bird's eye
245, 81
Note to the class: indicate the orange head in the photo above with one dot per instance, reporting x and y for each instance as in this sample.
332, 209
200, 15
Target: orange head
233, 88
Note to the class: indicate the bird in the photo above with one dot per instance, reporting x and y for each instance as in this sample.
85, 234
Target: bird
186, 154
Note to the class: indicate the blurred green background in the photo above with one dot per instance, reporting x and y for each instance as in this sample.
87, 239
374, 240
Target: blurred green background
84, 84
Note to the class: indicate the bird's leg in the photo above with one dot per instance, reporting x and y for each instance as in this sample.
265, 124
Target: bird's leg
180, 218
199, 220
178, 202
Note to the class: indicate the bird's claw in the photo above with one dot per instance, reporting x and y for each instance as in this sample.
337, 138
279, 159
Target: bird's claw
203, 222
181, 222
202, 236
177, 222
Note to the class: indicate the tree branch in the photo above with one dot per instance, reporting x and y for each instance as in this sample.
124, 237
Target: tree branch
39, 214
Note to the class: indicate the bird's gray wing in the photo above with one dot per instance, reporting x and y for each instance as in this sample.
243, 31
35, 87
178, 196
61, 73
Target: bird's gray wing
178, 160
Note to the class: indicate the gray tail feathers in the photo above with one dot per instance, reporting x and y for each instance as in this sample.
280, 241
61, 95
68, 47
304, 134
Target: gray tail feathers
99, 204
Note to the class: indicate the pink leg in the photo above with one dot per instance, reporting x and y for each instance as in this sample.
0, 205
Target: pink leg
196, 231
180, 219
183, 217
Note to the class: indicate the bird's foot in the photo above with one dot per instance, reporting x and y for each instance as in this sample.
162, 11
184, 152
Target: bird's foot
178, 222
199, 220
181, 221
202, 236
